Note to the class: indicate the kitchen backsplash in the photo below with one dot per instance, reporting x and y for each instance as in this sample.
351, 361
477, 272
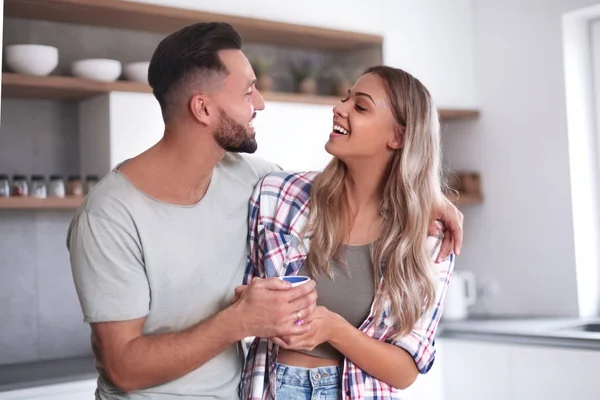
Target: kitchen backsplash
40, 313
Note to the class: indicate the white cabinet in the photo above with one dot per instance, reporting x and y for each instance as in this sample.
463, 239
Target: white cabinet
294, 135
541, 373
433, 40
119, 126
80, 390
115, 127
429, 386
490, 371
476, 371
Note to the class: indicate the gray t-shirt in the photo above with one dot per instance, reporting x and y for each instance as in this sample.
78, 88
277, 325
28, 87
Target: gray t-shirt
133, 256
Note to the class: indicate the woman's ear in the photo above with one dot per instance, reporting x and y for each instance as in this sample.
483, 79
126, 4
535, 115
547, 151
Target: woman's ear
397, 140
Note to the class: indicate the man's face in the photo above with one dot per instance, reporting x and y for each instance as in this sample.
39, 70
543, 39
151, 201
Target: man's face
238, 101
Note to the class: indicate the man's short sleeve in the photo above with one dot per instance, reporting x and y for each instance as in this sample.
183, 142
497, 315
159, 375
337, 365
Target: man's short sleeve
108, 269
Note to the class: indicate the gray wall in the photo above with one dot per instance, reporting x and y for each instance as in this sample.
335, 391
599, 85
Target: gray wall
522, 237
40, 314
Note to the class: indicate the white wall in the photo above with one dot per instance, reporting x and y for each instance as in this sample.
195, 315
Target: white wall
433, 40
581, 46
522, 236
356, 15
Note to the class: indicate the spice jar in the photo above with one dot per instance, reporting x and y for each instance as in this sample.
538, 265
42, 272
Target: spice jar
19, 186
56, 186
4, 186
75, 186
90, 182
38, 186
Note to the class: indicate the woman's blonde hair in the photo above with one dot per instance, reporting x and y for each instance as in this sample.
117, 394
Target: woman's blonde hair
412, 190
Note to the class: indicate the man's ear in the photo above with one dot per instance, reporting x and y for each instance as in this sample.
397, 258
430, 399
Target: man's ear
397, 140
199, 106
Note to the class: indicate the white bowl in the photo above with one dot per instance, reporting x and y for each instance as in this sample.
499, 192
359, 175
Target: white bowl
137, 71
31, 59
98, 69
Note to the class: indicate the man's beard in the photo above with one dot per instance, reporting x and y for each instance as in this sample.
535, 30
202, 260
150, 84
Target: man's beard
233, 137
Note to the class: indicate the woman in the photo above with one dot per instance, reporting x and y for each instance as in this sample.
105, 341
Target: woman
360, 229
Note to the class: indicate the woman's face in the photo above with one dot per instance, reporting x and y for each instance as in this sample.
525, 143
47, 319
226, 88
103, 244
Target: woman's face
363, 124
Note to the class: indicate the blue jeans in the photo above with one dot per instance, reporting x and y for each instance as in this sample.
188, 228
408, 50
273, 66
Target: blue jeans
295, 383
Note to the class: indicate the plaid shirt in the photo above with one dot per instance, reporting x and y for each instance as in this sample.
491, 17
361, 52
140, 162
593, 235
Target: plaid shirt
279, 212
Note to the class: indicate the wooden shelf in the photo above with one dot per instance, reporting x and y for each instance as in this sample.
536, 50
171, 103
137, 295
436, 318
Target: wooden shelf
32, 203
63, 87
455, 114
468, 200
69, 88
161, 19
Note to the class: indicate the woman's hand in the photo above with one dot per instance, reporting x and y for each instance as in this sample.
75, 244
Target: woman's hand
321, 328
453, 220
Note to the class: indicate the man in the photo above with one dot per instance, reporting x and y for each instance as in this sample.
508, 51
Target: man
159, 246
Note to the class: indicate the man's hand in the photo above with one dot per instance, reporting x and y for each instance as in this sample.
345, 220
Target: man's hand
453, 220
271, 307
321, 329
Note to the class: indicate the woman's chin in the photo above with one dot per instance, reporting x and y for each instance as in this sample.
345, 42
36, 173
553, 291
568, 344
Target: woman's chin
330, 148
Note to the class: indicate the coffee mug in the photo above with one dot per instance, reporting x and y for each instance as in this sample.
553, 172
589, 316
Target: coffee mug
295, 280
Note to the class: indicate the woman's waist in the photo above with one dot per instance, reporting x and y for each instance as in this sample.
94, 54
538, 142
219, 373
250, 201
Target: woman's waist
303, 360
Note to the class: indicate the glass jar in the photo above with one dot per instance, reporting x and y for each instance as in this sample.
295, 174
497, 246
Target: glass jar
38, 186
56, 186
4, 186
90, 182
74, 186
19, 186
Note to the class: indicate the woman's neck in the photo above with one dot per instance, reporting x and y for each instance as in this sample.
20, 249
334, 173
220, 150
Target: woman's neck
364, 186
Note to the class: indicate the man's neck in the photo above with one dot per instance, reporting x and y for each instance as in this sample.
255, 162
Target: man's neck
178, 169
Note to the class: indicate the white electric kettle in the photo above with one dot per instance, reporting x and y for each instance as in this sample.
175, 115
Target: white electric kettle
462, 293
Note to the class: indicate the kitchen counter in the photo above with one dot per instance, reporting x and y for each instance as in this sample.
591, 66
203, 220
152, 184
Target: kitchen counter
42, 373
554, 332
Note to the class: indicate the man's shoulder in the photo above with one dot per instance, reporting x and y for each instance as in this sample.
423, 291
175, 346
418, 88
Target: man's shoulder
111, 198
250, 165
110, 201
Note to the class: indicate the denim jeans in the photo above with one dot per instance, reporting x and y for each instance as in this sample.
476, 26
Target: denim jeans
295, 383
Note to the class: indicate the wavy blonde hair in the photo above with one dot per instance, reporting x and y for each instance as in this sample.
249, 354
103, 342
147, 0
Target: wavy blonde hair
412, 190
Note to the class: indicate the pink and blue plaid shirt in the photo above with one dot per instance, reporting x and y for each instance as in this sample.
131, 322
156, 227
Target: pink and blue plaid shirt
279, 212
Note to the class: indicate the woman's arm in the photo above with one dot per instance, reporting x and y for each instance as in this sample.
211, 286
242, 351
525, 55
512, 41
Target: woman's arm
396, 362
383, 361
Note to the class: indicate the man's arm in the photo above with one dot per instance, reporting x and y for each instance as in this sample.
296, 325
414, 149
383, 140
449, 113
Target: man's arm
109, 274
134, 361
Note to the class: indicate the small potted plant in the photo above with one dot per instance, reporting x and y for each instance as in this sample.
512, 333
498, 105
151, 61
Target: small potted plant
304, 75
261, 66
340, 79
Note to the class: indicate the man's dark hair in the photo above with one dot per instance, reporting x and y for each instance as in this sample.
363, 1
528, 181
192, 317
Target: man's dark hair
189, 51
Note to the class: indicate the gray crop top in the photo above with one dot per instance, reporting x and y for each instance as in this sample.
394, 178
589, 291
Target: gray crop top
350, 294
